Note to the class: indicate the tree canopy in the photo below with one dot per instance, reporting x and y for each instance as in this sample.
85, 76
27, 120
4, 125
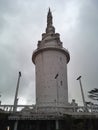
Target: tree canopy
93, 94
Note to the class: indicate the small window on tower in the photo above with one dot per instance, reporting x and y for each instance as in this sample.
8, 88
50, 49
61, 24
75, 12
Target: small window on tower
61, 83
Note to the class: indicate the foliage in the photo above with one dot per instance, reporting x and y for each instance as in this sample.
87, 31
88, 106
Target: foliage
93, 94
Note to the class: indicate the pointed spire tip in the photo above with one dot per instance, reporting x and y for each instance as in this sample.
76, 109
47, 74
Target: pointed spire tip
49, 10
50, 27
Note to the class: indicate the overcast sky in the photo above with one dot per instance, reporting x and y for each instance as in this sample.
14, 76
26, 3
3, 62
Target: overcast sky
21, 24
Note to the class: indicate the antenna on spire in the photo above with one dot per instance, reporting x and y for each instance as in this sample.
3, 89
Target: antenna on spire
49, 9
49, 18
50, 28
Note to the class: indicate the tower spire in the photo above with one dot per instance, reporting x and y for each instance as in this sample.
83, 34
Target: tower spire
49, 18
50, 28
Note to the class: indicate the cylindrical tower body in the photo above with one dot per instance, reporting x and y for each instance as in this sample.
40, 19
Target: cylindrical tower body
50, 61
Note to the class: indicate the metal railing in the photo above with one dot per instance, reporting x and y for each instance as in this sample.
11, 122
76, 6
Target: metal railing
89, 109
9, 108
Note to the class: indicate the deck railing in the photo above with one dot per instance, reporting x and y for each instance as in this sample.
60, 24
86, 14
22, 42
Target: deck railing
89, 109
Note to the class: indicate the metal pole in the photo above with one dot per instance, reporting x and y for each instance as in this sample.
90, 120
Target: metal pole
57, 124
16, 125
16, 94
0, 99
8, 128
79, 78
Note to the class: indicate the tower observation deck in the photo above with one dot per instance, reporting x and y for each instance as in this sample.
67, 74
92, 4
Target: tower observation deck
50, 59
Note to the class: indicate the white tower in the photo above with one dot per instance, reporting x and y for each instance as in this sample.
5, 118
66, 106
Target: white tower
50, 59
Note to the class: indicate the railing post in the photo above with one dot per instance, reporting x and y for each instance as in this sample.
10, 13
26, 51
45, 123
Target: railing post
74, 105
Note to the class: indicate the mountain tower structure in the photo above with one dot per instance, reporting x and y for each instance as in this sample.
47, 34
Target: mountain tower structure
51, 59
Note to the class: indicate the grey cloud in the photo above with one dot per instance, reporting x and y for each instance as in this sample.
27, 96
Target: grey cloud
84, 59
22, 23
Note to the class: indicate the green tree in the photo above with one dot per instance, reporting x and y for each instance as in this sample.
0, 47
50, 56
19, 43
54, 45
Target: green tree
93, 94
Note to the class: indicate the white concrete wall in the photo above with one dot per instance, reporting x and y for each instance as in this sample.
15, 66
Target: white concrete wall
51, 91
